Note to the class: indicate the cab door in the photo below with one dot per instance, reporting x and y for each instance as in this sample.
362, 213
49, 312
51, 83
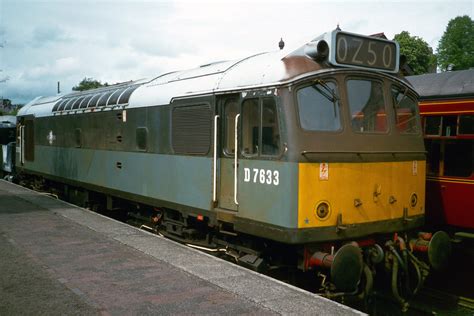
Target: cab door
228, 153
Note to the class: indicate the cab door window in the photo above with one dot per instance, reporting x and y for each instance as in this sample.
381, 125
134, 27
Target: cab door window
250, 127
270, 128
231, 109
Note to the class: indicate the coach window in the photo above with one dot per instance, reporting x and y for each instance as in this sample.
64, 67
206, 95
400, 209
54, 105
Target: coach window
466, 125
433, 125
433, 148
458, 158
405, 111
367, 106
231, 108
450, 123
318, 107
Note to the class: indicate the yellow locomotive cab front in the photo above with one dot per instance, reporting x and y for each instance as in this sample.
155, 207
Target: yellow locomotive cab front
357, 193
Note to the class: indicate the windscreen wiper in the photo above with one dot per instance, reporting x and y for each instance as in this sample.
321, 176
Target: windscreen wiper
326, 91
395, 106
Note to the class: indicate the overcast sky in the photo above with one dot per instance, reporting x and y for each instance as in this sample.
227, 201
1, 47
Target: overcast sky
114, 41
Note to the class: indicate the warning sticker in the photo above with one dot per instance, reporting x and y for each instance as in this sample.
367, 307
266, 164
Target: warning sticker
415, 167
323, 171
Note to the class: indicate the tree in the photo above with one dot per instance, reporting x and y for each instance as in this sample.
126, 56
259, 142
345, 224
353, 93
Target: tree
88, 83
418, 53
456, 47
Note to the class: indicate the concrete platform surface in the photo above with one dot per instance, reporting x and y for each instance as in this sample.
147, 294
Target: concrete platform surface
56, 258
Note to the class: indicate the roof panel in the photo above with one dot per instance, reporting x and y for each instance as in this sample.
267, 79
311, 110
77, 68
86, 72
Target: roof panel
446, 84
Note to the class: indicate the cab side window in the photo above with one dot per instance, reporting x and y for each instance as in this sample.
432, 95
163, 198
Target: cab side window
270, 128
260, 128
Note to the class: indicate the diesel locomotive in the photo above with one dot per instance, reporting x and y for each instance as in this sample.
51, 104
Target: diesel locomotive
310, 158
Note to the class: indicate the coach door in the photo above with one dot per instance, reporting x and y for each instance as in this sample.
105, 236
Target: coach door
227, 154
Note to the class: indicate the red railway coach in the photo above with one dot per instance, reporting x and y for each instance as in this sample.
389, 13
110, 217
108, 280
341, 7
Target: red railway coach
447, 110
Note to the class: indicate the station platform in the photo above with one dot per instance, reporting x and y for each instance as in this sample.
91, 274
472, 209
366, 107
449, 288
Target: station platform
56, 258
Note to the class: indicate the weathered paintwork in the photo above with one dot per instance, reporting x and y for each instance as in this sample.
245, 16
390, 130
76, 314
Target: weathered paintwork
372, 184
265, 201
181, 179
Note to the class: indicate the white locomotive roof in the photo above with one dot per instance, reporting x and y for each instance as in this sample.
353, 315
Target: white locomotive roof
258, 70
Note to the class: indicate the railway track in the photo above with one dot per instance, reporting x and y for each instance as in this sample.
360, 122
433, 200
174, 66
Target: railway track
466, 303
432, 301
429, 301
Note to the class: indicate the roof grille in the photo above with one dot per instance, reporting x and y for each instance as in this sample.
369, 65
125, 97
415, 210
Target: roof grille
96, 99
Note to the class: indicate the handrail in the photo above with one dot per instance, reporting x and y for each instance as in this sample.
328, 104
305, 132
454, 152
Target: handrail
22, 144
236, 151
214, 180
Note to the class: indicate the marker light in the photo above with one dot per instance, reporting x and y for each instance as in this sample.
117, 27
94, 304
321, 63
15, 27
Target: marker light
413, 200
322, 210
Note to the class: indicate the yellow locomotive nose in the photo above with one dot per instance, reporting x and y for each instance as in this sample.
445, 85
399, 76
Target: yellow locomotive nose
359, 192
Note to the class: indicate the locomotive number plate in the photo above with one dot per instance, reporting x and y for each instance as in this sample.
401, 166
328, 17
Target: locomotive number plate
262, 176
